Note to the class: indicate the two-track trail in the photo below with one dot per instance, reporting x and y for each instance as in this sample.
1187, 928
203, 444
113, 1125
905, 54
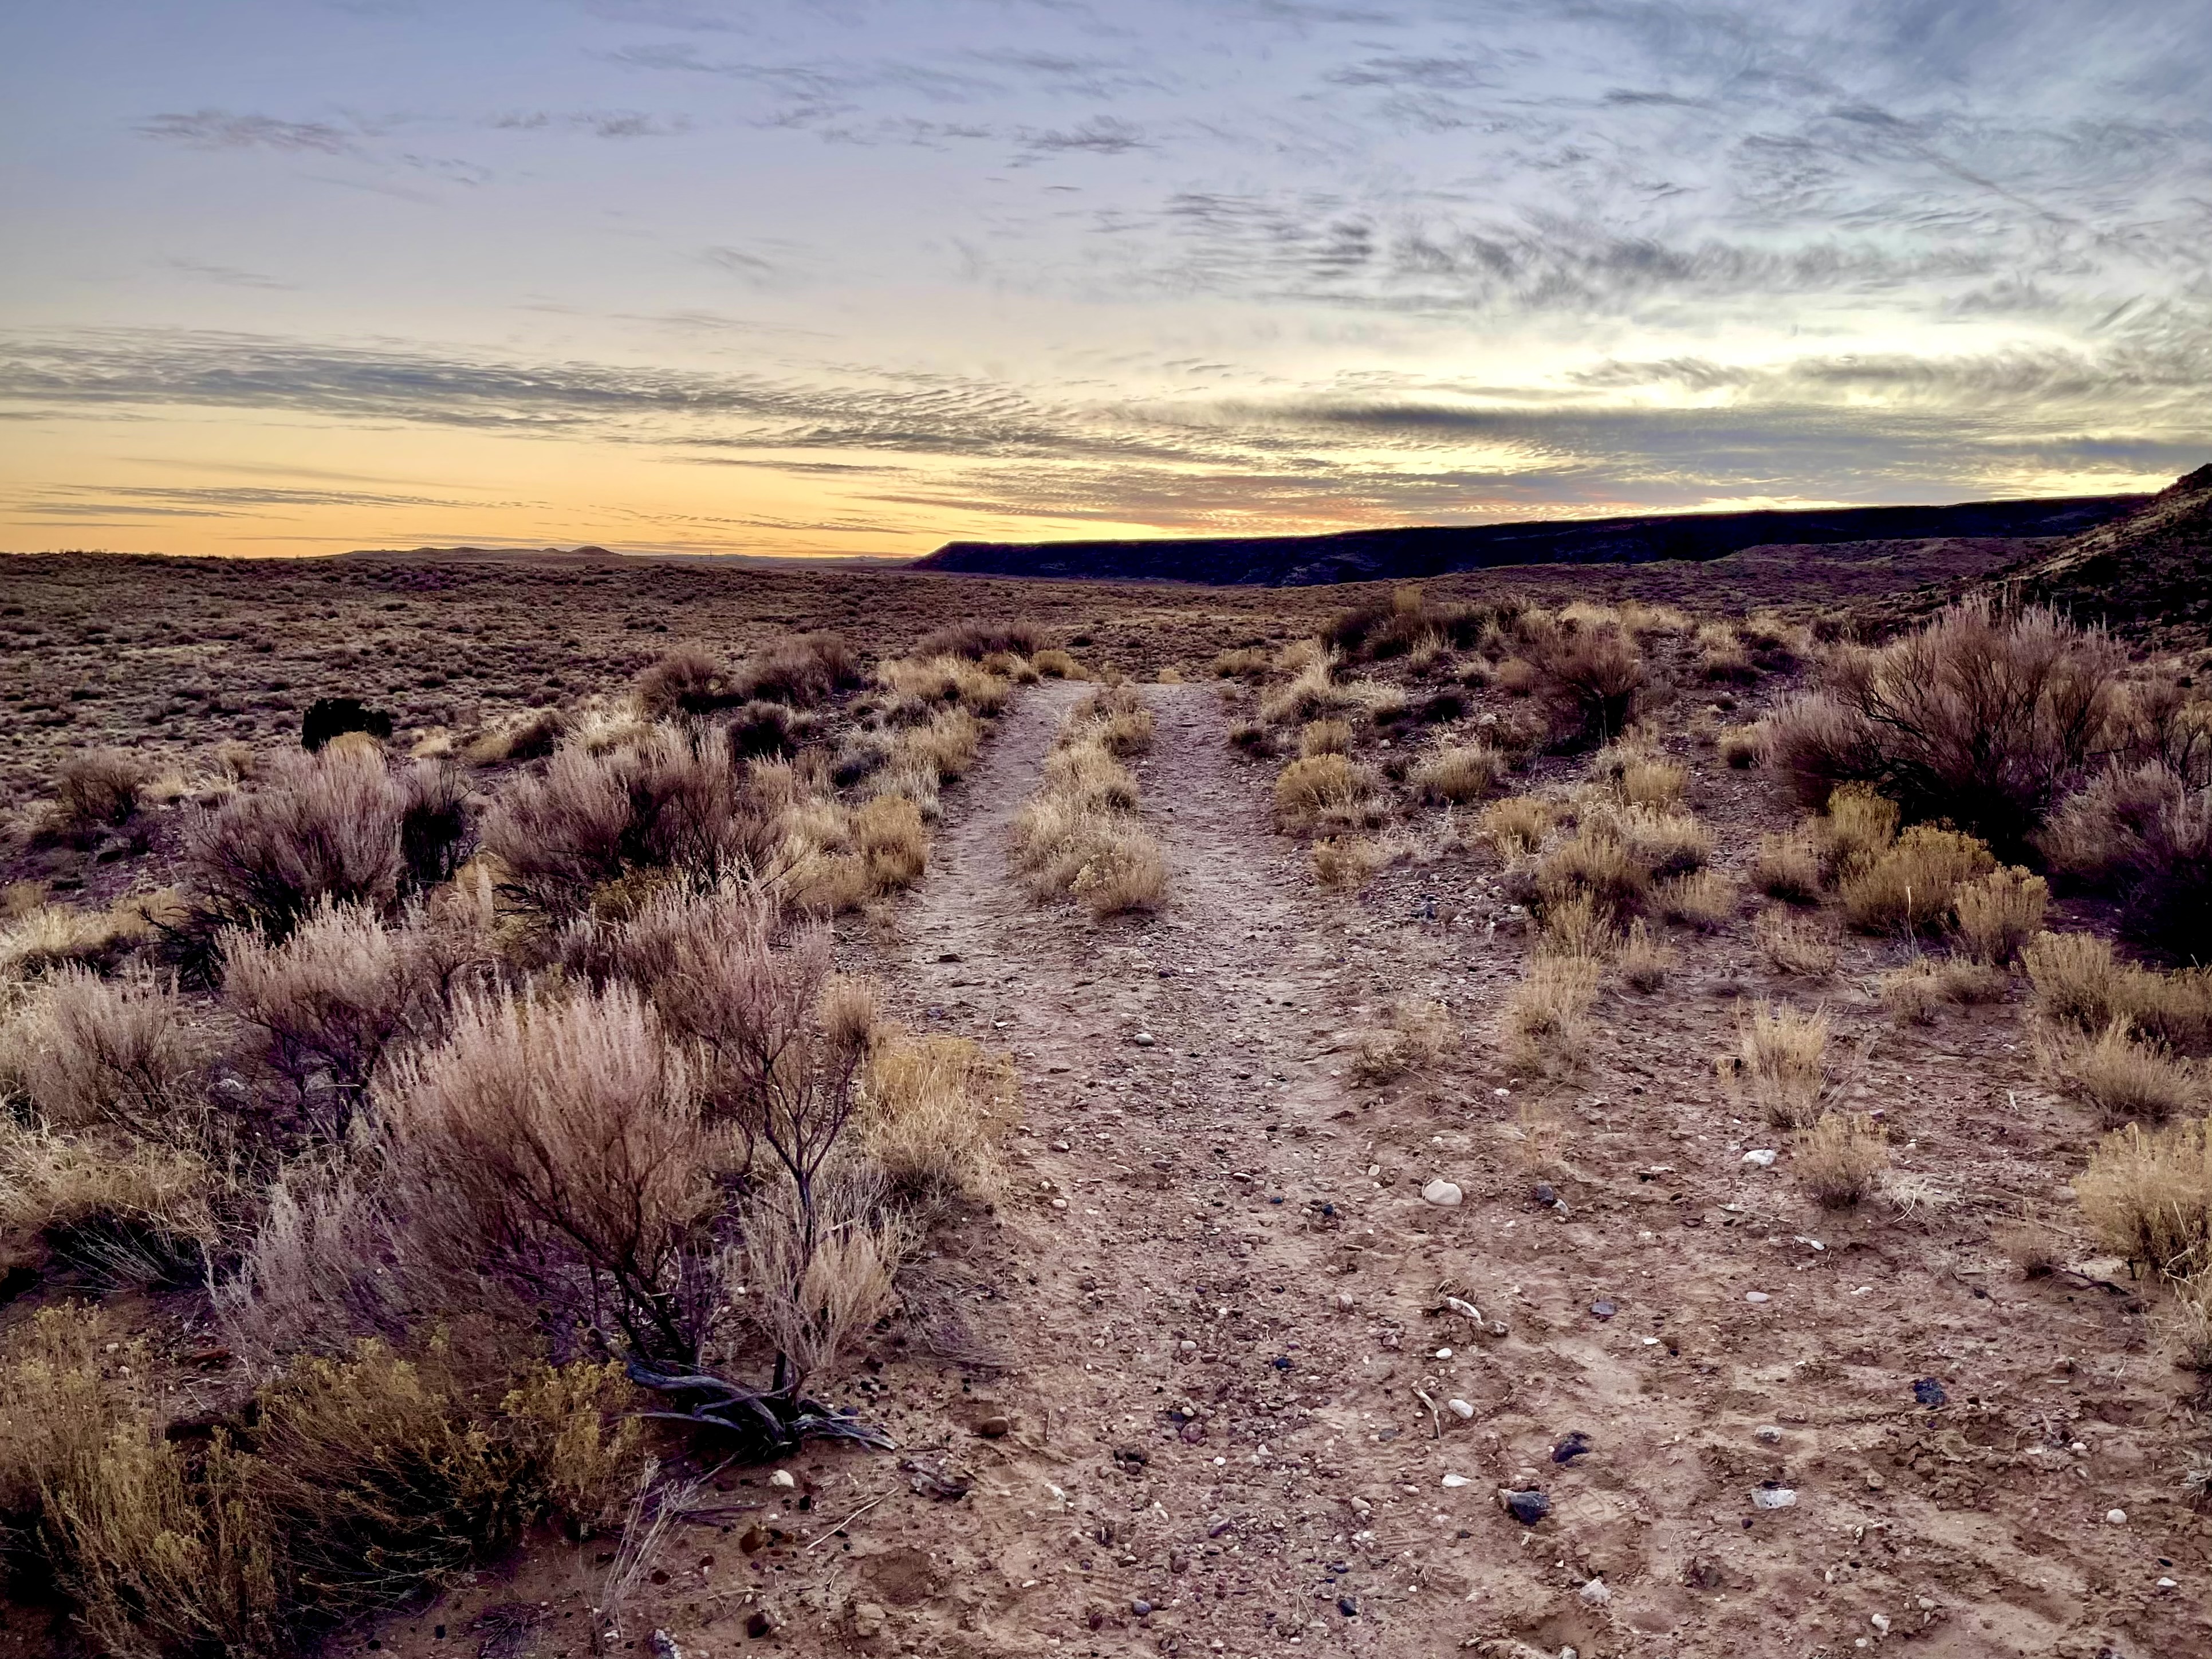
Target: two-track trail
1188, 1192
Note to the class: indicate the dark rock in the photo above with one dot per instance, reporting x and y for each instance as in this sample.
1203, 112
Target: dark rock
1141, 1607
761, 1623
331, 717
1347, 1607
1545, 1195
997, 1426
1604, 1308
1526, 1507
1929, 1392
1577, 1445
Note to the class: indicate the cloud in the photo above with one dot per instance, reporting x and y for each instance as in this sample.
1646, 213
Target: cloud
228, 276
1102, 135
215, 129
600, 124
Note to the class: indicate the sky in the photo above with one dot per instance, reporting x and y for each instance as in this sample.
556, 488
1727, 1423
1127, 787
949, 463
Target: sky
862, 277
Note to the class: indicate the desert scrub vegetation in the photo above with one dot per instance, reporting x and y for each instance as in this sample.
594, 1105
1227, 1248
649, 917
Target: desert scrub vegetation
1345, 863
1456, 774
1646, 959
2034, 736
1545, 1026
2147, 1195
2081, 986
1794, 944
1326, 793
1781, 1062
1416, 1035
1517, 824
1838, 1158
1079, 836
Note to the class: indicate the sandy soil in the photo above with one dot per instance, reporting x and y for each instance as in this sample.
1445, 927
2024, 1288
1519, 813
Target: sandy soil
1194, 1372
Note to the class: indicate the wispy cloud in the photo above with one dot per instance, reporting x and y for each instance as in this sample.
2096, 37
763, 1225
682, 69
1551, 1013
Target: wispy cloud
215, 129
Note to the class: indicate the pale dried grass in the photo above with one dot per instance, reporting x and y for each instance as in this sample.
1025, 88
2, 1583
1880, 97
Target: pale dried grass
1840, 1156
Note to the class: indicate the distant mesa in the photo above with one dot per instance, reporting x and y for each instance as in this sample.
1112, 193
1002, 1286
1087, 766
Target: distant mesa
2146, 574
1416, 551
477, 555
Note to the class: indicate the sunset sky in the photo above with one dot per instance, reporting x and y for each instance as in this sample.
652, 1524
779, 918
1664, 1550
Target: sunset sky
865, 275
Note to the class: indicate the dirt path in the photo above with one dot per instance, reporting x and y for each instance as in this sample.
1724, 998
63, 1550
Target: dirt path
1229, 1357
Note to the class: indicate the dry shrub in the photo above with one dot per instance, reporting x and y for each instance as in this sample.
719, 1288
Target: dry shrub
687, 683
2124, 1078
2080, 983
1079, 836
1982, 718
1666, 843
1055, 664
2034, 1247
1793, 945
1252, 738
52, 936
1330, 737
1417, 1035
562, 1144
325, 827
1703, 900
1345, 864
1911, 888
1723, 657
1323, 792
932, 1110
1790, 865
530, 737
1859, 827
323, 1268
1912, 993
1117, 717
801, 671
1519, 824
113, 1209
1579, 924
1838, 1157
1742, 747
943, 679
1545, 1024
945, 747
1309, 694
1659, 785
1590, 673
1594, 861
98, 789
1646, 959
1782, 1061
2144, 835
888, 833
1018, 637
656, 806
1458, 773
1996, 914
1008, 666
2147, 1195
814, 1275
1517, 676
1247, 662
334, 1000
89, 1051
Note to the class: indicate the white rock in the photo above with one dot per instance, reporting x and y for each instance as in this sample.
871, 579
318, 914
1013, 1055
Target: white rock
1768, 1432
1146, 1039
1757, 1296
1464, 1310
1456, 1480
784, 1479
1761, 1156
2117, 1517
1461, 1409
1880, 1622
1444, 1354
1345, 1300
1441, 1192
1774, 1497
1594, 1593
2169, 1583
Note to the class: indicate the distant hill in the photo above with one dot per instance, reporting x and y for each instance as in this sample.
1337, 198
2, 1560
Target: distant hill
485, 554
1434, 551
2148, 574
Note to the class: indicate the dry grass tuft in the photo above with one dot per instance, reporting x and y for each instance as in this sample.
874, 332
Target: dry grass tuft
1794, 944
1419, 1033
1858, 827
1328, 737
1840, 1157
1911, 887
2125, 1078
1546, 1025
1703, 900
933, 1111
1790, 866
1999, 913
1742, 747
98, 790
1595, 862
1347, 863
1324, 793
1079, 836
1646, 959
2148, 1197
2080, 985
1459, 774
1519, 824
1782, 1061
1579, 925
91, 1052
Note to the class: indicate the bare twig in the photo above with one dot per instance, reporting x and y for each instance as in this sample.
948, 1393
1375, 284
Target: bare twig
846, 1522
